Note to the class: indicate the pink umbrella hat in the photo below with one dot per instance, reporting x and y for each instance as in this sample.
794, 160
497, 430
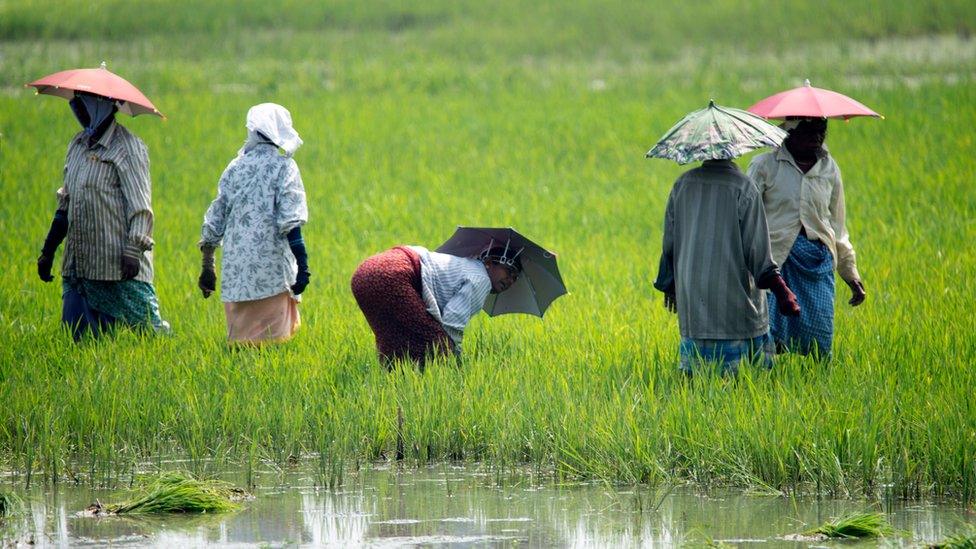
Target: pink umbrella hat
100, 81
809, 102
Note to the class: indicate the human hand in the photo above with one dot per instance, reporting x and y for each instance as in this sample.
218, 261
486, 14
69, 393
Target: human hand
301, 281
671, 302
207, 282
857, 292
786, 303
785, 298
44, 265
130, 267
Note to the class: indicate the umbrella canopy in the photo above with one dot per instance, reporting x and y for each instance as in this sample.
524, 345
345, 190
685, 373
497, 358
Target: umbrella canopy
536, 288
810, 102
100, 81
716, 133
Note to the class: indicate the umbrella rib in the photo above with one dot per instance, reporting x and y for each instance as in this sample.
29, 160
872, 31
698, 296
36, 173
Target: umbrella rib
535, 295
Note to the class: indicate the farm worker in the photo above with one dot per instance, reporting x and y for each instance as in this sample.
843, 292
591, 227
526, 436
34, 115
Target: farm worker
714, 262
105, 213
804, 201
398, 290
257, 216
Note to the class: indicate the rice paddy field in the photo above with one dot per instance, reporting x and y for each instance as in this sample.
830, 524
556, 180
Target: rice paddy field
418, 117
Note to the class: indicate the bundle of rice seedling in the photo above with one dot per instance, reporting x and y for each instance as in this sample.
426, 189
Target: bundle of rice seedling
176, 492
10, 503
959, 541
855, 525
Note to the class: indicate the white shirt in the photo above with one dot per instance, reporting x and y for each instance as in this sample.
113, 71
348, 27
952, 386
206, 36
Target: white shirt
454, 289
812, 200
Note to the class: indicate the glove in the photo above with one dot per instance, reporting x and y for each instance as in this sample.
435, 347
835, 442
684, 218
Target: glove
671, 302
44, 265
301, 281
56, 234
297, 245
208, 274
130, 264
857, 292
207, 282
785, 300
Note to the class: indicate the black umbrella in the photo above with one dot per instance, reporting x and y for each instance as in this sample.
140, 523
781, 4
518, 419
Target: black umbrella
540, 282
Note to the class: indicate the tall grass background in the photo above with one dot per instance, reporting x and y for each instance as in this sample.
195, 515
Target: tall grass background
418, 118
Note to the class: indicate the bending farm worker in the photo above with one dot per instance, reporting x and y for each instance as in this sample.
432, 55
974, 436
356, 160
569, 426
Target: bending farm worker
803, 198
418, 302
257, 216
105, 215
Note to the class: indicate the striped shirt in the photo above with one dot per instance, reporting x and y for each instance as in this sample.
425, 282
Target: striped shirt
454, 289
715, 247
813, 201
107, 196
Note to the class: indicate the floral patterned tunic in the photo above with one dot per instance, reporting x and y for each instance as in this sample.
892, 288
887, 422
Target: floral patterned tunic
260, 199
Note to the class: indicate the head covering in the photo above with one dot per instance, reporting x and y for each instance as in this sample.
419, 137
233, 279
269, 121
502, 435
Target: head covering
790, 124
793, 122
271, 122
503, 255
92, 110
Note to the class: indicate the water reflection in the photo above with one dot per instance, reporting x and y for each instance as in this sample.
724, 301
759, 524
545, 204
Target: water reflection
334, 519
454, 506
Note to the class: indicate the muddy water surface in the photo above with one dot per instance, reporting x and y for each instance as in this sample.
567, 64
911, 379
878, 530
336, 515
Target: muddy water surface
467, 507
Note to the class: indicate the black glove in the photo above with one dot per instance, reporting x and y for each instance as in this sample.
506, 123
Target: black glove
208, 274
297, 245
59, 229
301, 281
44, 265
207, 282
130, 264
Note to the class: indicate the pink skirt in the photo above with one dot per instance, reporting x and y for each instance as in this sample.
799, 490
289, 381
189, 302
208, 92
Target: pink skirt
269, 320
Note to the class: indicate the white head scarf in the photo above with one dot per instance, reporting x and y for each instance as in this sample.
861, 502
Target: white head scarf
274, 123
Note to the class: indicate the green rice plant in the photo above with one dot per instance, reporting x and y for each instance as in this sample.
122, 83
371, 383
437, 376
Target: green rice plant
10, 504
177, 492
855, 526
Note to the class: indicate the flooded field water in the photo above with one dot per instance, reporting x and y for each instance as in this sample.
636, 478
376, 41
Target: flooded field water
456, 506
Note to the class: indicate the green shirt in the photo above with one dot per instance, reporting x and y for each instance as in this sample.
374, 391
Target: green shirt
715, 247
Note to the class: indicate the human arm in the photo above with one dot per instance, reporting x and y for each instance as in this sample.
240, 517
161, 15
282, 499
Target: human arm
665, 271
55, 235
211, 236
459, 310
846, 258
297, 245
291, 209
208, 271
291, 212
754, 235
785, 298
756, 251
136, 188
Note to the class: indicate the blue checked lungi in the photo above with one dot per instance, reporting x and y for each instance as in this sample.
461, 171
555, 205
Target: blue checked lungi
725, 354
809, 272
